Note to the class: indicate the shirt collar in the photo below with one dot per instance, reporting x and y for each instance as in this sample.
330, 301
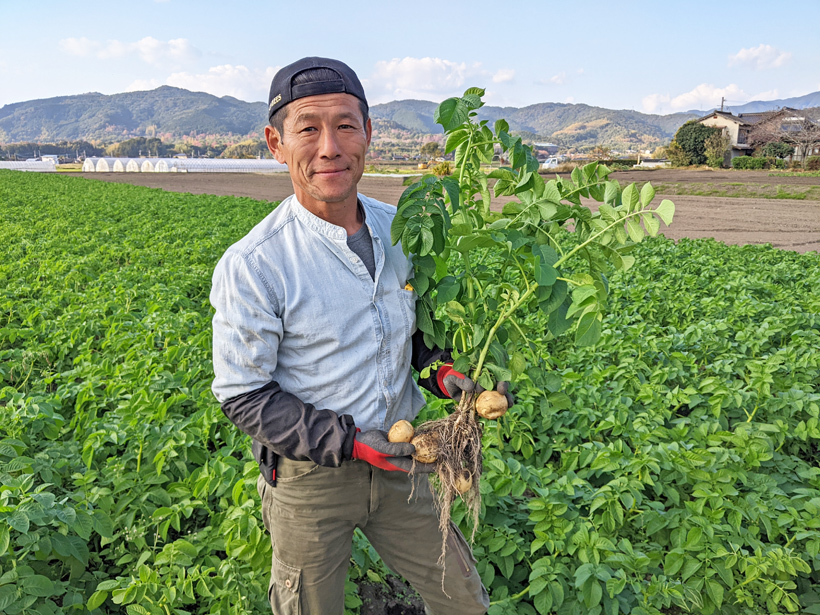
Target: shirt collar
323, 227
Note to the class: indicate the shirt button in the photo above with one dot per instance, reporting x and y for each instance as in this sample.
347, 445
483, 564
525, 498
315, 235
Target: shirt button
288, 583
355, 260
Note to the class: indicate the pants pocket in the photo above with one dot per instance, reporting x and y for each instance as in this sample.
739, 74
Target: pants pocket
288, 470
285, 589
462, 550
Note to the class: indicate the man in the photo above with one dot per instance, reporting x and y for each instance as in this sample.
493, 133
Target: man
314, 337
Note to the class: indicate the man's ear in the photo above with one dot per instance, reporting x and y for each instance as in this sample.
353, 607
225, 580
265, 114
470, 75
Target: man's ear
369, 131
274, 141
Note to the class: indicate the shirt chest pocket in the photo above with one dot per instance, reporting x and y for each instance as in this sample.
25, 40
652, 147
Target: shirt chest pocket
407, 304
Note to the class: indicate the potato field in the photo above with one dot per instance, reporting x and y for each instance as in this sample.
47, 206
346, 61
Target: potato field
672, 467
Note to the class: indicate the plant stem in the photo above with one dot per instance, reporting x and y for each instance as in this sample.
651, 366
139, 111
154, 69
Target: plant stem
527, 208
466, 155
592, 238
515, 597
504, 316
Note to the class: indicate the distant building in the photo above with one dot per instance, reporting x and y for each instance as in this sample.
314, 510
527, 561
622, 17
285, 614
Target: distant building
735, 126
550, 149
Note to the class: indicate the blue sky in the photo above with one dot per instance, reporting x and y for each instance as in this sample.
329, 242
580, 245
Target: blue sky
656, 57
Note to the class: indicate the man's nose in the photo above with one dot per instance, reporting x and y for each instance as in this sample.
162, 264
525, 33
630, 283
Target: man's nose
329, 144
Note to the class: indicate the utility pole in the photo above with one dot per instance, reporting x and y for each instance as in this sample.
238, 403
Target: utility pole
722, 100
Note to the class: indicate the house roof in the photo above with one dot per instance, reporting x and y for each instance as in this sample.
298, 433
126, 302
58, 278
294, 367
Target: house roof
754, 118
729, 116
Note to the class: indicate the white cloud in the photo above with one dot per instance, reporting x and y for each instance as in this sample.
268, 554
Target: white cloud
424, 78
761, 57
226, 80
143, 84
767, 95
704, 96
504, 75
559, 79
176, 51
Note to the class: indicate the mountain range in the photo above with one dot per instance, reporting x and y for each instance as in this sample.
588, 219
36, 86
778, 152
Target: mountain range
758, 106
175, 113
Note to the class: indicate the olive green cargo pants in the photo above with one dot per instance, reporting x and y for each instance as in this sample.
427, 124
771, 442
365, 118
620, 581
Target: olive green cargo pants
311, 515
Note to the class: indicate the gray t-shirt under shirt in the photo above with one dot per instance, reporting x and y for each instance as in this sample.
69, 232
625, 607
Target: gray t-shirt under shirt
362, 245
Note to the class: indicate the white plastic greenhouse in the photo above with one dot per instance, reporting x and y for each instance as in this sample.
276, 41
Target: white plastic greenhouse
147, 165
226, 165
43, 166
106, 165
182, 165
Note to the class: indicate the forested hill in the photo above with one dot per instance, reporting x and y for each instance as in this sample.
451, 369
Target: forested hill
570, 125
166, 110
174, 112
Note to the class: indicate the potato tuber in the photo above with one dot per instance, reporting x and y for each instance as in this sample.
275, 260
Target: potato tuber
401, 431
464, 481
427, 447
491, 405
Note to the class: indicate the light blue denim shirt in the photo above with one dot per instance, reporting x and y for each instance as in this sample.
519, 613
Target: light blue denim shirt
294, 304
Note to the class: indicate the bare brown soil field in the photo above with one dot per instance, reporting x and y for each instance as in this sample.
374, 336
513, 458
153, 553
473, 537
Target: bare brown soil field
705, 176
784, 223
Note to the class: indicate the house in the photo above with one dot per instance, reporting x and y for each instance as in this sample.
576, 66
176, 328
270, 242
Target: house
736, 127
743, 128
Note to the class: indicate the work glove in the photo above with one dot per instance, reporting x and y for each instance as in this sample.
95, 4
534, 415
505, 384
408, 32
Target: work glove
374, 448
455, 383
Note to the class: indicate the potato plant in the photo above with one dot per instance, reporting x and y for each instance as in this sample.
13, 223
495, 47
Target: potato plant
480, 276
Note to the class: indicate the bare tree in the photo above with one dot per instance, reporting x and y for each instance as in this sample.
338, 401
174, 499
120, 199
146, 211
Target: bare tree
797, 129
601, 152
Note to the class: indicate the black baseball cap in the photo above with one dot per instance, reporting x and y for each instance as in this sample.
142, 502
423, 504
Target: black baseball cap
283, 90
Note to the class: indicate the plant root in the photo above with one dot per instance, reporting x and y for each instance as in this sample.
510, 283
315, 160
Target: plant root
460, 450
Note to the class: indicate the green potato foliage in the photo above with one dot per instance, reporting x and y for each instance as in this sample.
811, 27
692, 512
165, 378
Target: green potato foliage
674, 467
479, 274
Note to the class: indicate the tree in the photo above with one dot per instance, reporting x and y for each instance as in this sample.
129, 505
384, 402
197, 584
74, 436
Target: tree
600, 152
717, 145
777, 149
692, 139
677, 156
430, 150
132, 148
252, 148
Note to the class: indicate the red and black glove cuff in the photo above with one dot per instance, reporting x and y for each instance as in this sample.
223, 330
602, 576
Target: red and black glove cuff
444, 371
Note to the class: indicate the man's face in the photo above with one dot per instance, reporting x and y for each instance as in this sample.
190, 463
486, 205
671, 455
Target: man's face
324, 144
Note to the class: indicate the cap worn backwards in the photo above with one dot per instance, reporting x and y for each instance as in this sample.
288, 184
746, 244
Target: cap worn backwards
283, 90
